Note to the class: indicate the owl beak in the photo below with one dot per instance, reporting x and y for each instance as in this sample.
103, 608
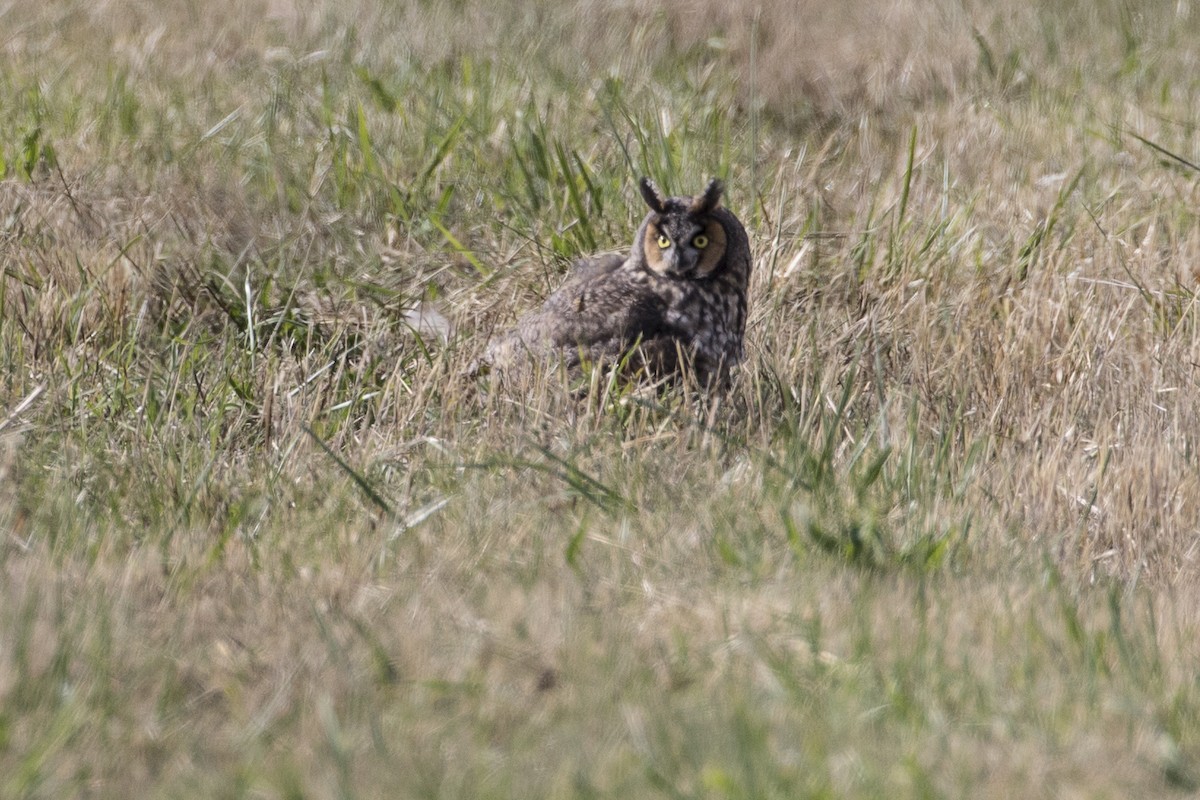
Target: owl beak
672, 263
680, 264
686, 264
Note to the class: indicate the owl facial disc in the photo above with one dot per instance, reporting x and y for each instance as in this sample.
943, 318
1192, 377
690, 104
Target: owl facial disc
682, 238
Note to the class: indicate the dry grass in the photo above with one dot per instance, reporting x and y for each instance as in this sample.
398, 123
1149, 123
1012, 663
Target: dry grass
264, 538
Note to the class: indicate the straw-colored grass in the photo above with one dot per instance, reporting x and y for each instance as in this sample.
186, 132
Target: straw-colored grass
264, 534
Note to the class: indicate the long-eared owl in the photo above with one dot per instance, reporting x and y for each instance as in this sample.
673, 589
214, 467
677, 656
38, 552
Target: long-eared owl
676, 303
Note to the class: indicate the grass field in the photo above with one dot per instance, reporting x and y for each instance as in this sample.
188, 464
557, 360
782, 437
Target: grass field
264, 535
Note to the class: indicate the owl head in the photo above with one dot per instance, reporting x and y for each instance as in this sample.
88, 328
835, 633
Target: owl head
684, 237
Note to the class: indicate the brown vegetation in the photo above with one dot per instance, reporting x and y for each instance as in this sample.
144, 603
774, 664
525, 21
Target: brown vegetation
263, 537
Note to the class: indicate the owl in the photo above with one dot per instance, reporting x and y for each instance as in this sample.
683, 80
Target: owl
675, 304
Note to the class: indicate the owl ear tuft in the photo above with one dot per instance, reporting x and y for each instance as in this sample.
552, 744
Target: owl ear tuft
710, 199
652, 196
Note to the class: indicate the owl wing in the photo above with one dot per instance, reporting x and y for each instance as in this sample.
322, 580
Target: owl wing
535, 331
596, 315
591, 268
600, 310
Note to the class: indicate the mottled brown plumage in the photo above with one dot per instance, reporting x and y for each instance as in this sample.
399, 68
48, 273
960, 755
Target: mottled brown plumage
677, 302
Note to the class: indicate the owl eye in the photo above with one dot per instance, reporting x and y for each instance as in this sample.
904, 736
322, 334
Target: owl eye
700, 242
663, 242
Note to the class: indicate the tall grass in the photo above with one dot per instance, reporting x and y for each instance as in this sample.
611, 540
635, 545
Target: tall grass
267, 534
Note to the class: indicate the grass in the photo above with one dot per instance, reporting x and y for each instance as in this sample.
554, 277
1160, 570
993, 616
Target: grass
265, 536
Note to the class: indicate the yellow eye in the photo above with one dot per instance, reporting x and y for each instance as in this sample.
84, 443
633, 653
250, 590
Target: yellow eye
663, 242
700, 242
